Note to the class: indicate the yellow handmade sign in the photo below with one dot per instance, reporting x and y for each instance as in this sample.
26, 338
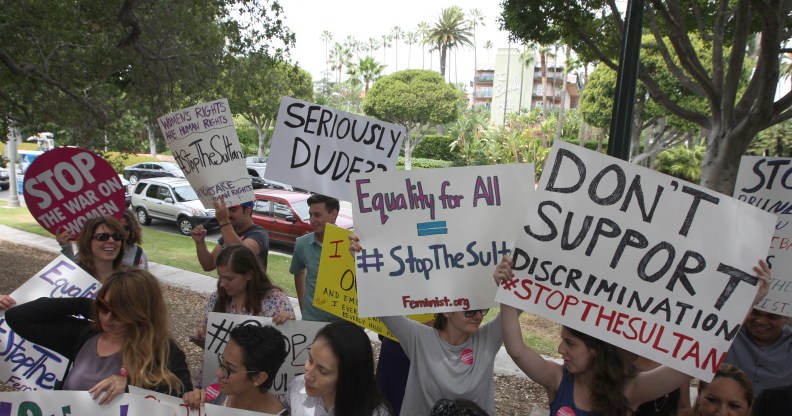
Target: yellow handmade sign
336, 291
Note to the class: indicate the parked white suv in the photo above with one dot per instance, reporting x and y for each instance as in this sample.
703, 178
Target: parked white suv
171, 199
4, 179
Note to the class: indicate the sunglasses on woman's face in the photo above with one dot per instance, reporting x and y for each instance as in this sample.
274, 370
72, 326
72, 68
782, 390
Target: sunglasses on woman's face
102, 306
472, 313
107, 236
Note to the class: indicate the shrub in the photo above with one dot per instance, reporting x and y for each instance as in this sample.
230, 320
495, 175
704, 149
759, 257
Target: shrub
435, 146
421, 163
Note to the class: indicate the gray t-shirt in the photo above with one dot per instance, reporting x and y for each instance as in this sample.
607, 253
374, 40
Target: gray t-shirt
439, 370
89, 368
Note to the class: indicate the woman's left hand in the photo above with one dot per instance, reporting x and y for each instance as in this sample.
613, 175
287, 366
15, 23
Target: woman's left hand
282, 317
107, 389
762, 271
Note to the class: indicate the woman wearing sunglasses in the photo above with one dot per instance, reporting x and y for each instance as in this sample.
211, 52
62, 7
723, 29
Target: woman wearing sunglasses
247, 369
100, 251
454, 359
134, 255
125, 342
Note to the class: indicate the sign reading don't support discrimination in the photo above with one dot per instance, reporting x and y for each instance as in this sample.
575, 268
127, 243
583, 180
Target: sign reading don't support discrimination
766, 183
431, 237
319, 148
641, 260
66, 187
205, 145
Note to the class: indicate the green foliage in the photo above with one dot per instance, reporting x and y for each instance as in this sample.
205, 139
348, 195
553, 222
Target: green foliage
591, 144
596, 100
425, 163
435, 146
681, 162
412, 97
774, 141
119, 160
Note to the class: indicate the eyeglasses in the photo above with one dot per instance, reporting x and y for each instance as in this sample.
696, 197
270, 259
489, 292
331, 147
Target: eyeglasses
107, 236
102, 306
226, 372
472, 313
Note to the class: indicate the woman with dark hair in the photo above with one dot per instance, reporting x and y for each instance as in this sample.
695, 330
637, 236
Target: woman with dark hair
730, 393
133, 237
126, 341
454, 359
244, 288
596, 378
248, 366
339, 376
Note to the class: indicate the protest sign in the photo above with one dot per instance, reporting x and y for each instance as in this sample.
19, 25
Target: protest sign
299, 337
214, 410
66, 187
764, 182
205, 145
176, 404
318, 148
336, 291
64, 403
431, 237
641, 260
26, 366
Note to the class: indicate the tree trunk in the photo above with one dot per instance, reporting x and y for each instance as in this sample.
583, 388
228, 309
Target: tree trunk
721, 161
443, 51
408, 148
261, 139
543, 58
152, 138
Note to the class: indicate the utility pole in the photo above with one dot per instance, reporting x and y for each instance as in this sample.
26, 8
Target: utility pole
13, 191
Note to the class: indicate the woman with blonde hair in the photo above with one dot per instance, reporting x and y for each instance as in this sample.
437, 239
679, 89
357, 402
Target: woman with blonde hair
126, 341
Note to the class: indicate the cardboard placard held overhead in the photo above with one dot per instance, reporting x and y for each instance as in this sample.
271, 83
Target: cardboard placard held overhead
766, 183
431, 237
641, 260
206, 147
318, 148
336, 291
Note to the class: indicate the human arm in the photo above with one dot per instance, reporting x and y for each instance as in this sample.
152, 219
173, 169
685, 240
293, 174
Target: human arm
278, 306
657, 382
683, 406
544, 372
299, 286
205, 257
51, 323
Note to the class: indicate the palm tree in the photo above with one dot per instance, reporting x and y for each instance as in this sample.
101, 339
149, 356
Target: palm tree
373, 45
326, 37
410, 39
475, 18
488, 46
423, 30
396, 33
341, 56
368, 70
449, 31
354, 45
386, 43
544, 52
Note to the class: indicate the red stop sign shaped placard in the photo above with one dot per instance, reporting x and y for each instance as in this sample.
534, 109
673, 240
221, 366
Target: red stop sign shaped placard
66, 187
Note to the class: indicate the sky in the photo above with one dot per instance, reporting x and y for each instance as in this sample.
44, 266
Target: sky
374, 18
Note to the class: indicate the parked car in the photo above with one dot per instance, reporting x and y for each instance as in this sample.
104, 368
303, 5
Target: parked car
4, 179
127, 190
260, 182
145, 170
256, 161
171, 199
284, 214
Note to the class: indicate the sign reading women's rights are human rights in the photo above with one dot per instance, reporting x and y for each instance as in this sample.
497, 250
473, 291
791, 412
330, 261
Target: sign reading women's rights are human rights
318, 148
205, 145
432, 237
641, 260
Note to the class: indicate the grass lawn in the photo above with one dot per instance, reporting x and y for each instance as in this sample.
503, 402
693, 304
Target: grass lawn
179, 251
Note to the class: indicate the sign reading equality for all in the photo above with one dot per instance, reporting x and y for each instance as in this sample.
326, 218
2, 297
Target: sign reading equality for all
431, 237
205, 145
65, 402
66, 187
26, 366
319, 148
641, 260
765, 183
336, 291
299, 337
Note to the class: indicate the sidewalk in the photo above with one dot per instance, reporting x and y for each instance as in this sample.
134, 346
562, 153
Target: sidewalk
504, 366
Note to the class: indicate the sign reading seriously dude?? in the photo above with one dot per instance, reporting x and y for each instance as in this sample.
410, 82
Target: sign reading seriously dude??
431, 238
641, 260
319, 148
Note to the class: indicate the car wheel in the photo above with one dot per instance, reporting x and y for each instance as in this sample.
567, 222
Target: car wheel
133, 179
143, 217
185, 225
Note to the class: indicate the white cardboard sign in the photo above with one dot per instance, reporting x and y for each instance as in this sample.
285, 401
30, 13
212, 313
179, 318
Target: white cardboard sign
299, 337
176, 404
319, 148
765, 183
26, 366
641, 260
431, 237
65, 403
206, 147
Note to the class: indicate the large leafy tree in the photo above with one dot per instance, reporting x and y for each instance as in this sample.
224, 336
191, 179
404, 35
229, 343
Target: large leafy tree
84, 65
731, 119
451, 30
415, 98
254, 85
